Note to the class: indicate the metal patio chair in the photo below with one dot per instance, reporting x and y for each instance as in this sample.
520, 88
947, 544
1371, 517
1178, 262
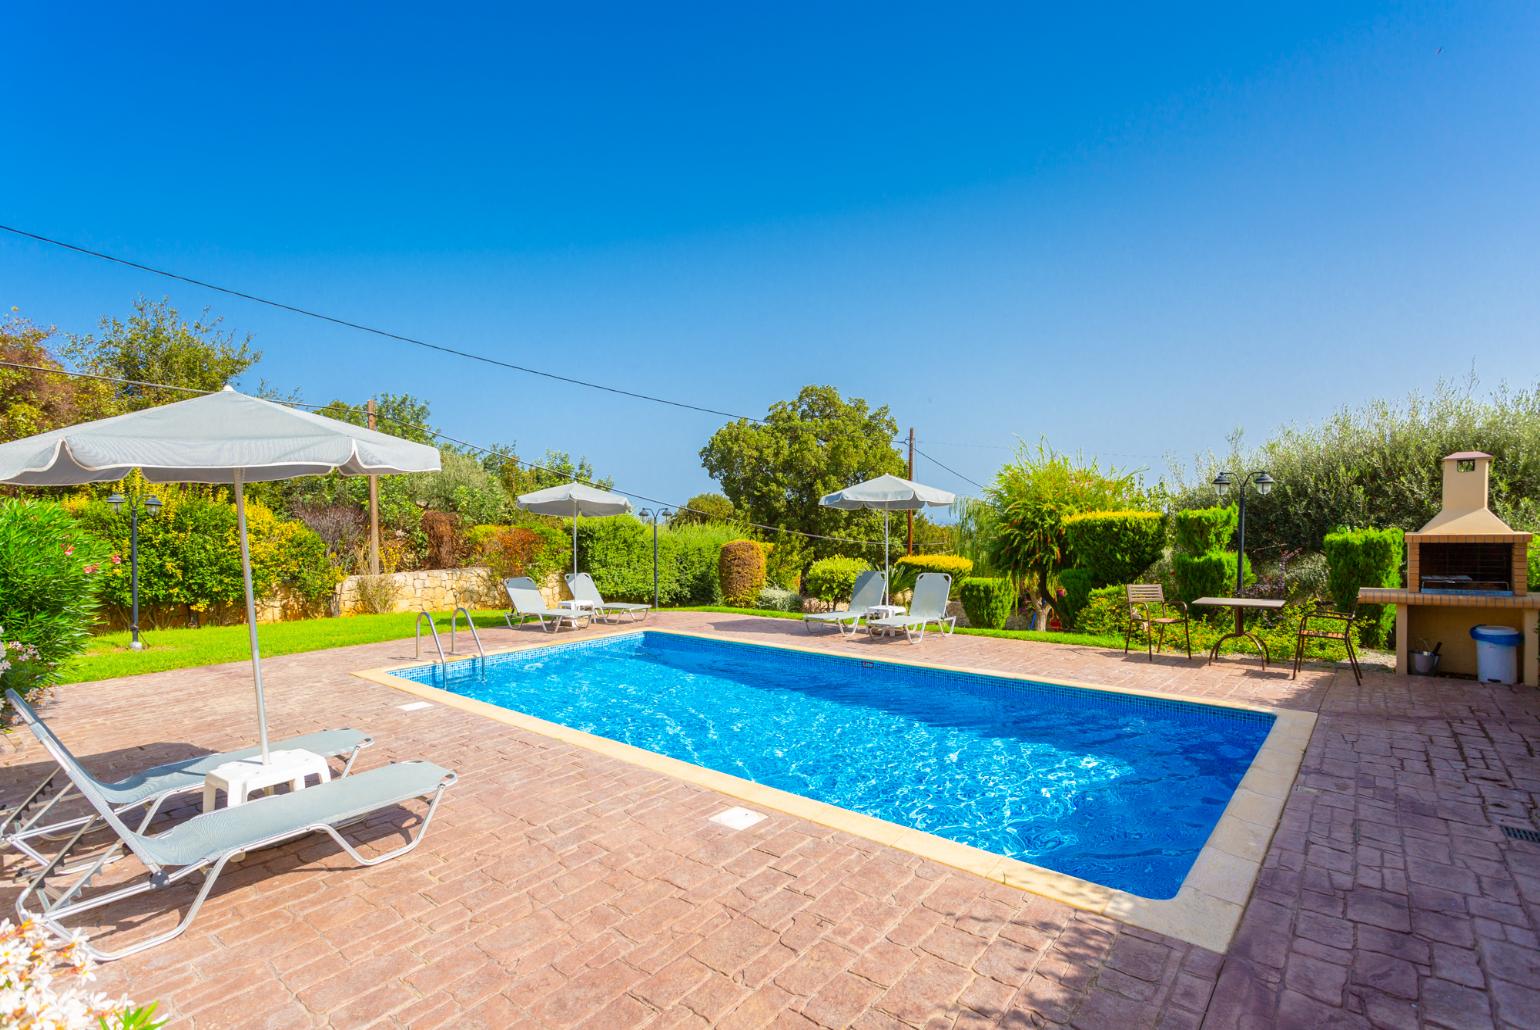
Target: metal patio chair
1338, 626
1149, 610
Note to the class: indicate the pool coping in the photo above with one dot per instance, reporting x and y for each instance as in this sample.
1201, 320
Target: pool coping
1206, 910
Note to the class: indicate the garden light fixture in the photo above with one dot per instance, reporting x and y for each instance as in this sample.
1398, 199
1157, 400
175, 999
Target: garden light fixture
151, 506
1264, 484
661, 513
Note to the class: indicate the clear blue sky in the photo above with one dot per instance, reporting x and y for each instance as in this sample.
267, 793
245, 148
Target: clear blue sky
1129, 232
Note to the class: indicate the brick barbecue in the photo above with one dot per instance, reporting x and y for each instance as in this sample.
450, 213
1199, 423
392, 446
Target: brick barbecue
1465, 567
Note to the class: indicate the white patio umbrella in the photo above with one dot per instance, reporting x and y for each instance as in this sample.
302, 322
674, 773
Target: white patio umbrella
886, 494
224, 437
574, 499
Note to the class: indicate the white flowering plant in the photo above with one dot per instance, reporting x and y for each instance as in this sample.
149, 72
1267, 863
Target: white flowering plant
45, 985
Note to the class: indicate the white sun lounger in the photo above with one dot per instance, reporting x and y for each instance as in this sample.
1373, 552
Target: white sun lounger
928, 605
868, 592
24, 826
526, 603
205, 843
584, 589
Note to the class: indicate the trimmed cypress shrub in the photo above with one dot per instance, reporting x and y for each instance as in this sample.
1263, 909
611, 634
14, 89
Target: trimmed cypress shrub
988, 601
1115, 546
1206, 575
741, 568
1201, 530
1365, 558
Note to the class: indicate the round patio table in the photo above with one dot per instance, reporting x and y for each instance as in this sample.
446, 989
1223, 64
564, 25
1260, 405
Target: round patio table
1241, 605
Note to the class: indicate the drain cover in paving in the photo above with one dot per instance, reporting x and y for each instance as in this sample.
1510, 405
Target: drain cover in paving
737, 818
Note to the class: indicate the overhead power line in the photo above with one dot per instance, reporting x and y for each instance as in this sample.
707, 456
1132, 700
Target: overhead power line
503, 457
401, 337
386, 333
949, 468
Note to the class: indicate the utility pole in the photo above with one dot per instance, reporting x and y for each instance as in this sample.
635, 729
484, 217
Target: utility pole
374, 509
911, 477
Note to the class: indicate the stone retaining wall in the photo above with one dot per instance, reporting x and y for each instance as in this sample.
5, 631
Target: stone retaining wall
434, 589
441, 590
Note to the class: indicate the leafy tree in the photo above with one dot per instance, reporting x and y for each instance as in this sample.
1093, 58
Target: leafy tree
1380, 466
1030, 499
157, 345
704, 508
553, 469
35, 402
398, 414
775, 472
463, 488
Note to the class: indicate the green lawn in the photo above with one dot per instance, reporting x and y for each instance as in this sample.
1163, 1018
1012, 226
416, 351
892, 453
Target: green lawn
108, 655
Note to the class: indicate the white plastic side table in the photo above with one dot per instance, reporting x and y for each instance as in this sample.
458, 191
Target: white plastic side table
578, 606
882, 611
240, 778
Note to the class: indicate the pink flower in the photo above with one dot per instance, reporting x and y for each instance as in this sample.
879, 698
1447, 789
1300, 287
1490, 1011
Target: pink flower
90, 568
117, 559
69, 549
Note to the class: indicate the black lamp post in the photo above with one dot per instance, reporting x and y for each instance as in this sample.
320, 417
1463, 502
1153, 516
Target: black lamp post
151, 506
1264, 484
661, 513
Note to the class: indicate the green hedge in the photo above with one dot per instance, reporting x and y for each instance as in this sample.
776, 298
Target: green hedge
741, 571
1198, 531
617, 552
1077, 592
833, 579
1115, 546
778, 599
1365, 558
189, 554
907, 569
784, 561
1105, 612
1206, 575
987, 601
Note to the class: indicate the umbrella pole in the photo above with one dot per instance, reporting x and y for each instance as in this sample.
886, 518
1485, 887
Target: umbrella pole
574, 539
251, 610
887, 567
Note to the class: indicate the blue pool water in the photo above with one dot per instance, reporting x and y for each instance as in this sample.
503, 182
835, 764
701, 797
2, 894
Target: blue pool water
1114, 788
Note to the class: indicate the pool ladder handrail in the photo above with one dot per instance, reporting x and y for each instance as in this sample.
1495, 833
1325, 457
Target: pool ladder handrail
454, 618
417, 649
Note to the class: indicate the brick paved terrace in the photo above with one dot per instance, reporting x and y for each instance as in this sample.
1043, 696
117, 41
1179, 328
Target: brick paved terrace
558, 887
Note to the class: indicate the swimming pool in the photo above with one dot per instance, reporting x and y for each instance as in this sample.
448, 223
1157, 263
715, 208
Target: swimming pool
1119, 789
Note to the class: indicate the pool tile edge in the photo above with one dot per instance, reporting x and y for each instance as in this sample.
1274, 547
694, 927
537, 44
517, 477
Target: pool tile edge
1206, 911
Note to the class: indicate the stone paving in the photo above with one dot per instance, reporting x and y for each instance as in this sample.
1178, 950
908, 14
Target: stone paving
561, 888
